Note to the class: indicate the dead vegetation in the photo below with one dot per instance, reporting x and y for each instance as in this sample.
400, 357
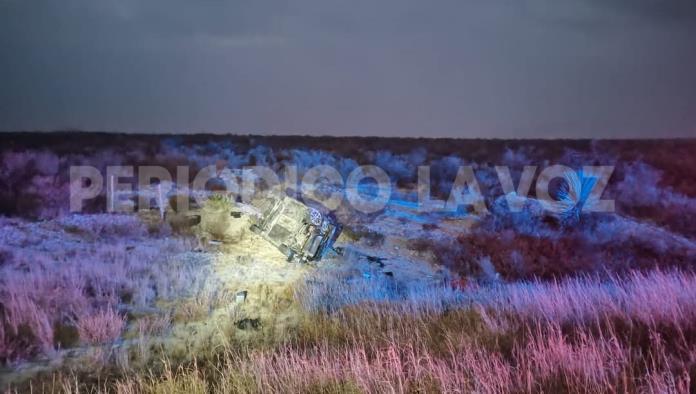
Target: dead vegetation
581, 336
525, 303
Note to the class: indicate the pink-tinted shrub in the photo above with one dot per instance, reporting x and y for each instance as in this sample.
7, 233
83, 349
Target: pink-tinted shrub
101, 327
32, 303
53, 279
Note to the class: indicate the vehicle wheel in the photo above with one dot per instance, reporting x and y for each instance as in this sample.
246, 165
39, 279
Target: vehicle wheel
289, 254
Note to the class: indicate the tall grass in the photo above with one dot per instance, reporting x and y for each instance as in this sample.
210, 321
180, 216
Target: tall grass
360, 331
82, 275
585, 335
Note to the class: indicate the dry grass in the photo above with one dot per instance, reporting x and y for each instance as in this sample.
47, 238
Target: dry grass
577, 336
59, 275
359, 333
104, 326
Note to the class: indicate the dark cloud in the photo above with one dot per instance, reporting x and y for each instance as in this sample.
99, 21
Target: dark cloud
470, 68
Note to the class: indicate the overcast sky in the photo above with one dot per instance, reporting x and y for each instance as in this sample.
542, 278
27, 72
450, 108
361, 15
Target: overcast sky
458, 68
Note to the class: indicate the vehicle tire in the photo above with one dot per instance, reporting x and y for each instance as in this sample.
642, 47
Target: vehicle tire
289, 254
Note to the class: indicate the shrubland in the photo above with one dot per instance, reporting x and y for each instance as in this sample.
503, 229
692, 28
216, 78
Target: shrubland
652, 180
583, 335
534, 302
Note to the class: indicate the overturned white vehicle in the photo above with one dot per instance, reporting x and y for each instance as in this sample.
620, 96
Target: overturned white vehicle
302, 233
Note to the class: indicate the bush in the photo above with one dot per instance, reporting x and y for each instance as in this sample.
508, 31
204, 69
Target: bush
403, 169
103, 326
